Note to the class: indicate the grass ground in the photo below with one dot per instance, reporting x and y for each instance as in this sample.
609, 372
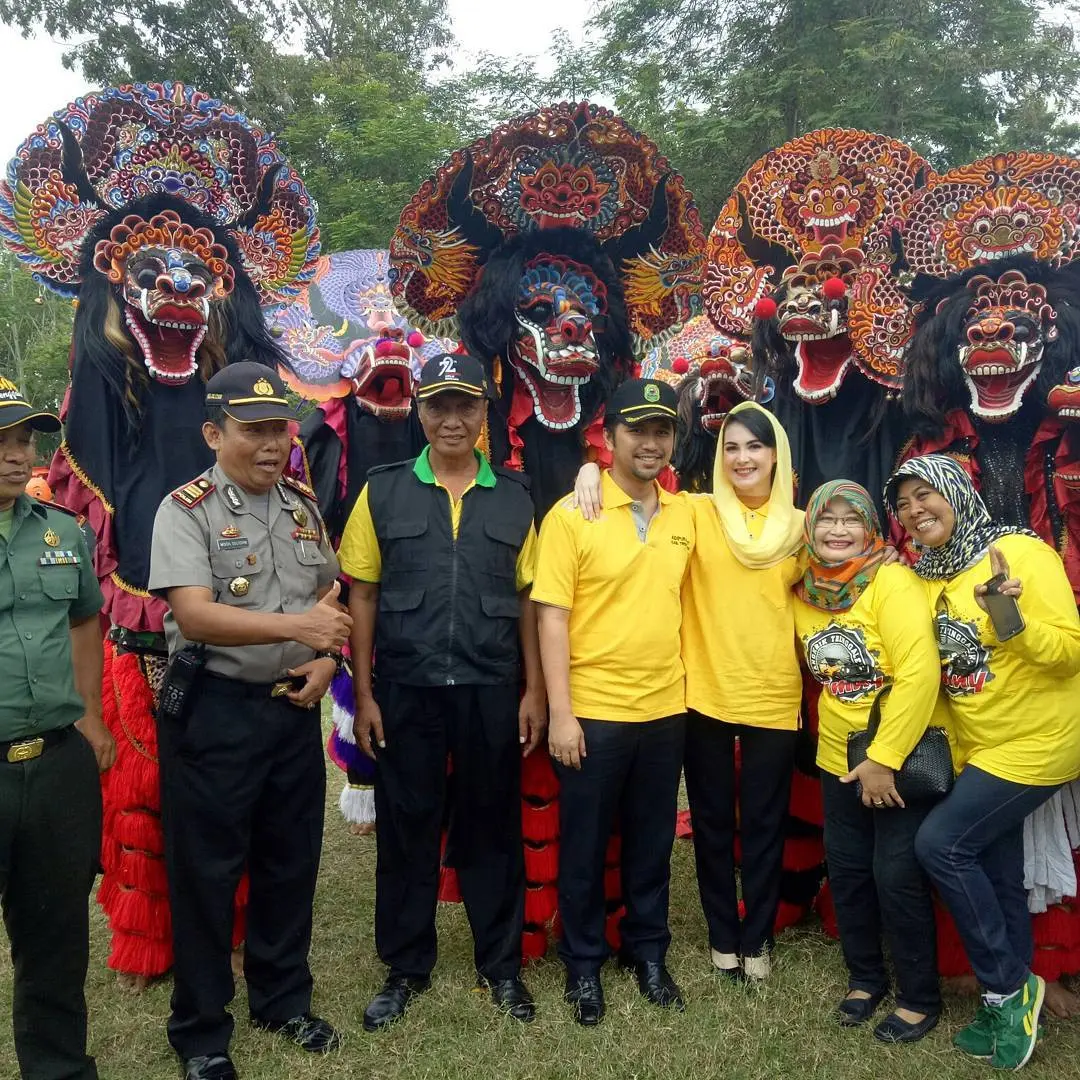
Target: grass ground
783, 1030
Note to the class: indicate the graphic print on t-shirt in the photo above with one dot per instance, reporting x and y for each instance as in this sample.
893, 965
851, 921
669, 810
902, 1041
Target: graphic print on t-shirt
965, 661
839, 659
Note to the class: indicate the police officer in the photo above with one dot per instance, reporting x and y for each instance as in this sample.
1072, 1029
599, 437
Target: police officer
242, 558
440, 549
52, 744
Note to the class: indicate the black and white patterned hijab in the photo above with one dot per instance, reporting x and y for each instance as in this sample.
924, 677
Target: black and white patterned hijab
974, 530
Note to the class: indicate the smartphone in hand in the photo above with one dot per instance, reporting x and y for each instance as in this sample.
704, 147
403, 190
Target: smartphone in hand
1004, 611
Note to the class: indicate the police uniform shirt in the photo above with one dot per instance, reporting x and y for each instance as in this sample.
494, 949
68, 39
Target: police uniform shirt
47, 580
210, 534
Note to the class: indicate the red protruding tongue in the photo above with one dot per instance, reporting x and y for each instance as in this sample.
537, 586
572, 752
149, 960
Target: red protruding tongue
999, 391
171, 348
821, 364
558, 404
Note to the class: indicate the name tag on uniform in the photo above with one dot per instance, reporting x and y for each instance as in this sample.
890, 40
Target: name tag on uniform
232, 543
59, 558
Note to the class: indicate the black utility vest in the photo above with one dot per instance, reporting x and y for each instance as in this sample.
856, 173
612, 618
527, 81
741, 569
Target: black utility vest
448, 609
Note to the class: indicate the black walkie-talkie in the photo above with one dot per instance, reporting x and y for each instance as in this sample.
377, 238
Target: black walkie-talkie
179, 681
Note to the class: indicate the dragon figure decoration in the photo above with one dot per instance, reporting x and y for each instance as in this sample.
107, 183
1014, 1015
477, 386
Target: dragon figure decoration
711, 373
555, 248
350, 351
173, 220
785, 260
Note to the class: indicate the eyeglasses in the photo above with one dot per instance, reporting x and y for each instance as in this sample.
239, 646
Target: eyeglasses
827, 521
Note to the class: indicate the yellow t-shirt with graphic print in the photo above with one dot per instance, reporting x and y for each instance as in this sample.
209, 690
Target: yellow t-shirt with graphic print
885, 639
1014, 705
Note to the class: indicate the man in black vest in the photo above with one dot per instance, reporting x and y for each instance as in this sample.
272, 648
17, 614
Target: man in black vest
441, 551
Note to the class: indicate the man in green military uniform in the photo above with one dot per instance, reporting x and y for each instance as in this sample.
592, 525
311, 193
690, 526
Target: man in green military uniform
242, 557
50, 797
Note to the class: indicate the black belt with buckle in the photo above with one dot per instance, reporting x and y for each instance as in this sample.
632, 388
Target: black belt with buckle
238, 688
19, 750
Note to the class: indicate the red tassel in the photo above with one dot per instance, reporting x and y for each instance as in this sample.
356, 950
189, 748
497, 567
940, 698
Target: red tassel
540, 904
805, 801
534, 943
449, 891
803, 852
143, 872
611, 929
1051, 963
612, 883
539, 783
613, 855
539, 821
1058, 926
787, 915
823, 905
541, 863
684, 830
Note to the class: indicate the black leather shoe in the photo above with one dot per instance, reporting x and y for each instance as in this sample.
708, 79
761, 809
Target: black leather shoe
895, 1030
586, 994
657, 986
390, 1003
855, 1011
209, 1067
511, 996
309, 1032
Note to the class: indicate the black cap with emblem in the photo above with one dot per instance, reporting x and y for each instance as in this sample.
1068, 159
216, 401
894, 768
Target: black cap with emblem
642, 399
452, 371
15, 409
249, 392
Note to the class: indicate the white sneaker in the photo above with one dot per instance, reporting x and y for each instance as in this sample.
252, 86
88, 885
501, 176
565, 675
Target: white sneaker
757, 968
726, 962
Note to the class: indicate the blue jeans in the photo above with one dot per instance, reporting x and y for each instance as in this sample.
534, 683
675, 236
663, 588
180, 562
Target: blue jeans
972, 847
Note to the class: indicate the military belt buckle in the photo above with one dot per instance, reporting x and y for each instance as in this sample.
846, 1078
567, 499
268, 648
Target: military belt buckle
281, 688
26, 750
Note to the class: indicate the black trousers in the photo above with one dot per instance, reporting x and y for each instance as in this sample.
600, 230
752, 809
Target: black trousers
878, 886
767, 759
50, 843
476, 729
243, 784
630, 774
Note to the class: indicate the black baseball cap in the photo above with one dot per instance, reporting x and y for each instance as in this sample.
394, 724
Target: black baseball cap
250, 392
452, 371
643, 399
15, 409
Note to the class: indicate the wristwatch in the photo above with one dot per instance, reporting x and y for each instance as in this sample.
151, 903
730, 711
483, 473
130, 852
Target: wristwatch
328, 654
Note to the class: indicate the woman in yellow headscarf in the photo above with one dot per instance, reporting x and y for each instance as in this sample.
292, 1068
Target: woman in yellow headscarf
742, 680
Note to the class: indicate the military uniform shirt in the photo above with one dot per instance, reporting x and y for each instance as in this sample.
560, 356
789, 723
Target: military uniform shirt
220, 544
47, 580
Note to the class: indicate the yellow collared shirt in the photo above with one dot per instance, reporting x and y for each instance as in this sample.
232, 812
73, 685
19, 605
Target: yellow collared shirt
623, 595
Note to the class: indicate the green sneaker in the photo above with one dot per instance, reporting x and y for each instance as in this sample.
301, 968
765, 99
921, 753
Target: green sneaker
1016, 1025
977, 1039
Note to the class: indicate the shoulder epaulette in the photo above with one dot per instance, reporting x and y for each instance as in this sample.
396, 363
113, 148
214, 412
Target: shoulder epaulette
80, 519
513, 474
392, 465
192, 494
299, 485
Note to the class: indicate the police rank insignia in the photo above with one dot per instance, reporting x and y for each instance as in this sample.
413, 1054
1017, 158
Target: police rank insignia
51, 538
306, 534
239, 586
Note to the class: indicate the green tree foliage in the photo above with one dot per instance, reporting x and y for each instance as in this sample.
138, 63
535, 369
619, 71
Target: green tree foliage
35, 340
717, 83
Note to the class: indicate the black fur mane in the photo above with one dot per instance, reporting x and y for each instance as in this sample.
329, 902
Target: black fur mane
486, 317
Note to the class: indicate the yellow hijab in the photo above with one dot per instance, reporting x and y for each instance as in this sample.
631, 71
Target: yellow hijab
783, 532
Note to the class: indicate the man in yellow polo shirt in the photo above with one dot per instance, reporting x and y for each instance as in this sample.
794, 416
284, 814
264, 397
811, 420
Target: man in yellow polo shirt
609, 615
441, 553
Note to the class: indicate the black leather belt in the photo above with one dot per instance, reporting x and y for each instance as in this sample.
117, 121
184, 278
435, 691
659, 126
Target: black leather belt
19, 750
222, 684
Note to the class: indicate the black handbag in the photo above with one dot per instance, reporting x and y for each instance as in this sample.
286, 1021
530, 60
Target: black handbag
927, 772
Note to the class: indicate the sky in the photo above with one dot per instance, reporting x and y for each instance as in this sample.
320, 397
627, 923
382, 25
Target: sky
34, 83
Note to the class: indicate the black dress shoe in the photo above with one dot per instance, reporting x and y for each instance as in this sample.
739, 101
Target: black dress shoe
390, 1003
209, 1067
586, 994
511, 996
309, 1032
855, 1011
895, 1030
657, 986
